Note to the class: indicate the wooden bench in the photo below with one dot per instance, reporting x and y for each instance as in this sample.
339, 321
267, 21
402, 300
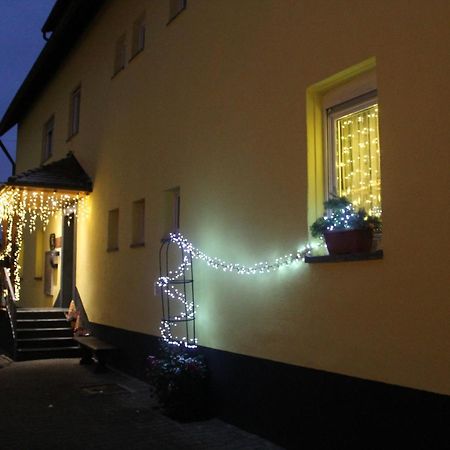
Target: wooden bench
93, 347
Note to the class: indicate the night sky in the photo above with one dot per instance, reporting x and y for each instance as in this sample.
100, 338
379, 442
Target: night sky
20, 43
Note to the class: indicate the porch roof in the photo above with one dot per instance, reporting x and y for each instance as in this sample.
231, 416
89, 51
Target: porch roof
64, 174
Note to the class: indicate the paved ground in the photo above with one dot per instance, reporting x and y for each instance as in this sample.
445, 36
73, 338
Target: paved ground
58, 404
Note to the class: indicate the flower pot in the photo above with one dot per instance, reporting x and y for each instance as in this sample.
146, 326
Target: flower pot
341, 242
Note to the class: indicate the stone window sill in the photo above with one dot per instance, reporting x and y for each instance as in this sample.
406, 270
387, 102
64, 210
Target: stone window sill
378, 254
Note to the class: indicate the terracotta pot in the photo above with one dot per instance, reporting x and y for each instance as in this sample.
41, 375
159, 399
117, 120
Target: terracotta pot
341, 242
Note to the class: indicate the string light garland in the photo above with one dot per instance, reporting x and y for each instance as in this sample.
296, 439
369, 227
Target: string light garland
21, 208
168, 286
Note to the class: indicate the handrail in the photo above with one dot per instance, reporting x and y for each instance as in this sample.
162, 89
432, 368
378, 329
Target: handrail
8, 293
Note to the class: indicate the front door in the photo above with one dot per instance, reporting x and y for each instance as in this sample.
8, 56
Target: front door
67, 262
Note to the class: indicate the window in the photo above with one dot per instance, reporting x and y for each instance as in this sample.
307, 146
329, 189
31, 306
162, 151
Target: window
354, 152
113, 230
342, 139
138, 43
176, 7
47, 139
74, 113
172, 211
138, 224
120, 54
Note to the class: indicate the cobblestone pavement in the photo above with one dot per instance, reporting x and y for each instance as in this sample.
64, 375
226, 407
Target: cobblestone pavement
58, 404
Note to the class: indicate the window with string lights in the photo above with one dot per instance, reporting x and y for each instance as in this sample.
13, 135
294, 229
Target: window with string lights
344, 151
353, 151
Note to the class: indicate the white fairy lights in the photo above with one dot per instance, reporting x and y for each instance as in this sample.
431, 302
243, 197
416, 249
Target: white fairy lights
169, 289
21, 208
168, 286
261, 267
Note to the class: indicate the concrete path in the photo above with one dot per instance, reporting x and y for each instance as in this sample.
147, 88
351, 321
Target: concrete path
58, 404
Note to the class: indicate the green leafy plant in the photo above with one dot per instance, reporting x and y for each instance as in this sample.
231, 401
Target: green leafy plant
341, 214
179, 381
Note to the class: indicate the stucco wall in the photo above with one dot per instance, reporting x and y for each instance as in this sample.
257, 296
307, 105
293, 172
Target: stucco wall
215, 104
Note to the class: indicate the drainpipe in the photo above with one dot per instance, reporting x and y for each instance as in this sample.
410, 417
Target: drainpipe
5, 151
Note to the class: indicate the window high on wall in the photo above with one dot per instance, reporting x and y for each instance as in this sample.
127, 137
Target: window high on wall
176, 7
172, 209
344, 151
120, 54
47, 139
354, 152
74, 113
138, 42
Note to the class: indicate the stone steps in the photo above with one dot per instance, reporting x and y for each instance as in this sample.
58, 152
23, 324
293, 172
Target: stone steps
43, 333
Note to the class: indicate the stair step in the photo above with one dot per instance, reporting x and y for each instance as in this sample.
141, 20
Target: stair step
46, 342
41, 313
42, 323
29, 333
27, 354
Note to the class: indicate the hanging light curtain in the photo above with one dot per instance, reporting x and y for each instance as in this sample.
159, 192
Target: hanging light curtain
358, 158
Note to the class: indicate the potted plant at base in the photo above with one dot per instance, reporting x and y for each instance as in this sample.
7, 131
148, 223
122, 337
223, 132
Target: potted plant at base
345, 228
179, 381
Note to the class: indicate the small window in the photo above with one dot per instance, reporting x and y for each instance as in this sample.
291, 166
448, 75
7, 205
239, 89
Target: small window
354, 152
120, 53
138, 43
74, 114
113, 230
138, 224
47, 139
172, 211
176, 7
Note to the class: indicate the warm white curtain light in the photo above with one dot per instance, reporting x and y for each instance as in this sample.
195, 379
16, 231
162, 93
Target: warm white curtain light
21, 208
357, 156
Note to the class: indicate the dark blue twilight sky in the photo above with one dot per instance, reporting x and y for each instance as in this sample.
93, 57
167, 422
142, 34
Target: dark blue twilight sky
20, 43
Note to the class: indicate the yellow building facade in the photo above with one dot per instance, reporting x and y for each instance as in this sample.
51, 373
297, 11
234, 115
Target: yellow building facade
224, 104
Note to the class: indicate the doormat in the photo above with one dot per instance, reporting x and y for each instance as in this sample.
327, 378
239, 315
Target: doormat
104, 389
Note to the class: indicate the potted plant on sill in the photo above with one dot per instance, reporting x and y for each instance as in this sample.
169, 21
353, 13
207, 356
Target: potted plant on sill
345, 228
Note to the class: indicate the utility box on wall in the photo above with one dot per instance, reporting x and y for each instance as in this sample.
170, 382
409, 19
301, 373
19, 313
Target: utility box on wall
51, 263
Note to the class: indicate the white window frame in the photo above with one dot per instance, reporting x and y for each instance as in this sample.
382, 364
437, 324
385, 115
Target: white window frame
48, 139
120, 54
139, 35
74, 115
176, 7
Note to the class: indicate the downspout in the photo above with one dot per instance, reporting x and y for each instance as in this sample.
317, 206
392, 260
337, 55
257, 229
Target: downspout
11, 160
